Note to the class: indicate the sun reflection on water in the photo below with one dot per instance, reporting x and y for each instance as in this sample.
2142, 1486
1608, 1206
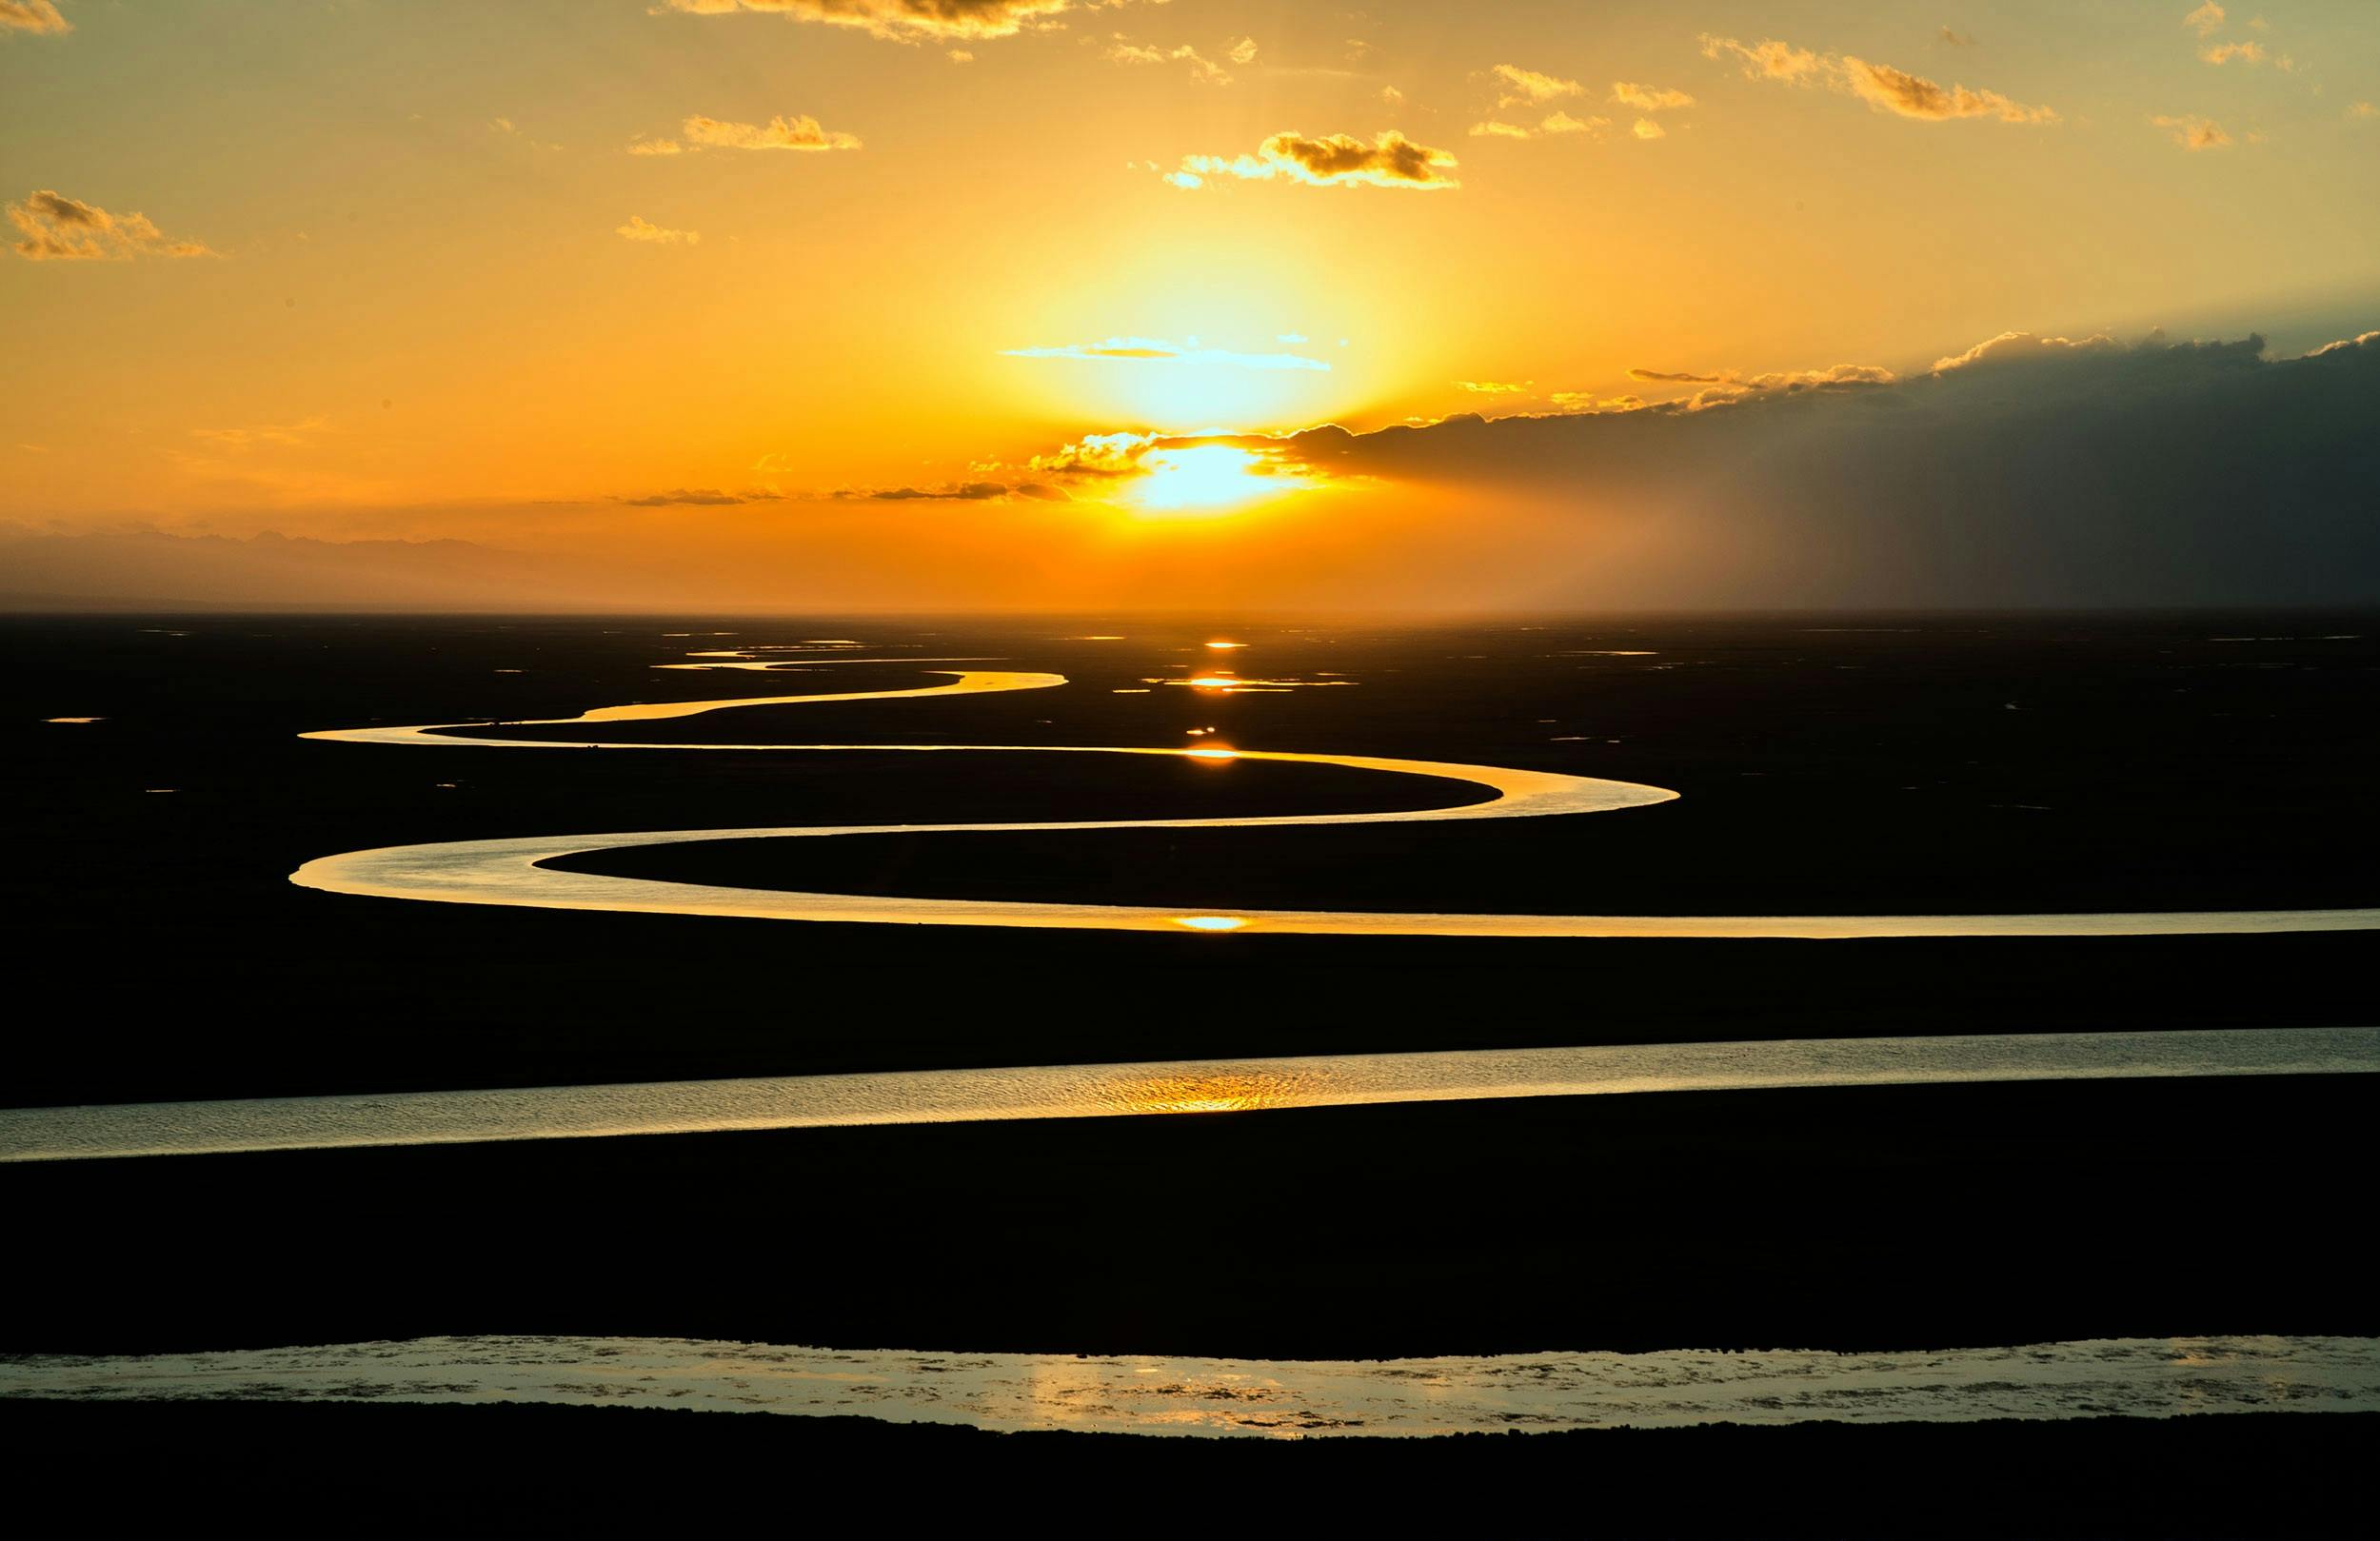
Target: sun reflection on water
1221, 1091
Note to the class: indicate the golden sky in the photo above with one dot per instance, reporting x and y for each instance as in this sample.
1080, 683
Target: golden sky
888, 302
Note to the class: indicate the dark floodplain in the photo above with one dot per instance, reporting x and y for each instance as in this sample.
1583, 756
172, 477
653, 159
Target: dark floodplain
1843, 765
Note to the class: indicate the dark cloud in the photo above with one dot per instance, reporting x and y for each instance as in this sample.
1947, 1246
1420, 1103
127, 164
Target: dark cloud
2025, 471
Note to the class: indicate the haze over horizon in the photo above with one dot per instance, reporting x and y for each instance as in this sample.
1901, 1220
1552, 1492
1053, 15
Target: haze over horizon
1015, 304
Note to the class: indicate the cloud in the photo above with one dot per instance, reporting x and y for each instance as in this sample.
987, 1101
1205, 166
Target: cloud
1554, 122
2010, 348
1766, 60
1880, 86
951, 492
899, 21
1493, 387
638, 229
1240, 51
1727, 384
36, 16
282, 435
2363, 109
1913, 96
799, 133
1203, 70
1526, 87
1957, 40
2205, 19
2192, 132
965, 492
2364, 340
697, 498
57, 228
2250, 52
2023, 471
1647, 128
1337, 160
1161, 350
1648, 98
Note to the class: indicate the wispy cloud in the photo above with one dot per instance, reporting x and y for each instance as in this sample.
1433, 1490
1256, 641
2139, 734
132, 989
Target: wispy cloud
1152, 350
1586, 402
1880, 86
57, 228
1647, 128
279, 435
1390, 160
2205, 19
640, 228
957, 492
900, 21
1516, 87
1728, 385
2192, 132
1553, 123
39, 16
696, 498
1767, 60
1494, 387
801, 132
1204, 69
2248, 52
1648, 98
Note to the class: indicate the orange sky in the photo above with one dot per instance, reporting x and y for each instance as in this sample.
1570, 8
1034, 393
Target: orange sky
682, 289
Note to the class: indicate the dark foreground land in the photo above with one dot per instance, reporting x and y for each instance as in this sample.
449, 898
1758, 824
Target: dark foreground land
1976, 765
1877, 1218
369, 1467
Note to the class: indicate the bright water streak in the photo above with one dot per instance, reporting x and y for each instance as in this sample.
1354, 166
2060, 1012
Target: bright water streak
1183, 1086
2139, 1378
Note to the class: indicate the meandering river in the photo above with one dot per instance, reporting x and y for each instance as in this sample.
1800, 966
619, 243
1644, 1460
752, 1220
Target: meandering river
514, 871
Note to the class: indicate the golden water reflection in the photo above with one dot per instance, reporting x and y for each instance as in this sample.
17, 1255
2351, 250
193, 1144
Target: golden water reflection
1227, 1091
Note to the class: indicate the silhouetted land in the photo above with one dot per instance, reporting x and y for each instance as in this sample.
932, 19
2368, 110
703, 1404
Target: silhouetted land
386, 1466
1966, 764
1874, 1218
1953, 763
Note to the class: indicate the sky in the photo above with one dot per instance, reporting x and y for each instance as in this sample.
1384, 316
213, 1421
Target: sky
929, 304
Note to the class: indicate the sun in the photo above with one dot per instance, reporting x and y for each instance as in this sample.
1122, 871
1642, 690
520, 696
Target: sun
1204, 479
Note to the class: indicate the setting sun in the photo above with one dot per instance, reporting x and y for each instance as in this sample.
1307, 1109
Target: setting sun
1207, 479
